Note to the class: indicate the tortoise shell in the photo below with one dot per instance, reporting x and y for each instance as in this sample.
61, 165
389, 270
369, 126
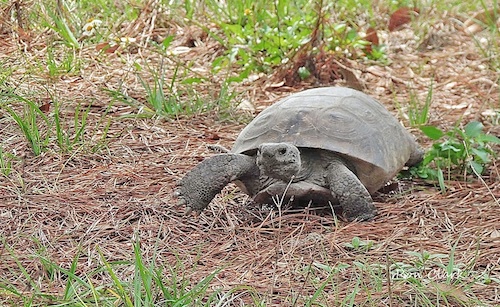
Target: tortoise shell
343, 121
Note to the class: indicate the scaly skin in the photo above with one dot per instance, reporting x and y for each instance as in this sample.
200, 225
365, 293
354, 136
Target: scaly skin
356, 202
197, 189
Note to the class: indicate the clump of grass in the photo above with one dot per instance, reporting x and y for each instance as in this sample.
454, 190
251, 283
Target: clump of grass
60, 24
110, 283
488, 44
42, 130
69, 137
177, 97
418, 112
28, 120
69, 63
157, 99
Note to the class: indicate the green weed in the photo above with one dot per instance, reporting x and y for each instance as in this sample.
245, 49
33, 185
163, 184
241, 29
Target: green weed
458, 151
260, 36
357, 244
6, 162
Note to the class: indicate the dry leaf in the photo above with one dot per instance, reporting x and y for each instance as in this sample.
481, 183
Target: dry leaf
401, 17
246, 105
447, 106
101, 46
45, 107
350, 77
277, 84
194, 36
473, 29
106, 47
372, 38
23, 35
212, 136
490, 112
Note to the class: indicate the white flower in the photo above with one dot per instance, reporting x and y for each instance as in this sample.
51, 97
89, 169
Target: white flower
90, 27
127, 40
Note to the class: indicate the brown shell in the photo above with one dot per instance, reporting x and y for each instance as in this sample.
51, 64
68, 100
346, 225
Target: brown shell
340, 120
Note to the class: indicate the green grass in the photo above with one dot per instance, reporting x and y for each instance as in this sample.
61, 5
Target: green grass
418, 112
43, 131
144, 281
5, 162
70, 137
59, 24
435, 279
149, 284
66, 64
488, 45
165, 102
31, 121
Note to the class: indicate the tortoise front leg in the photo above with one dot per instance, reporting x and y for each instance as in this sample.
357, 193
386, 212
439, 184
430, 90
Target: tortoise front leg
197, 189
353, 197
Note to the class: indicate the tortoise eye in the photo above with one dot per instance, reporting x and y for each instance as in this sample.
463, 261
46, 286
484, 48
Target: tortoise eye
282, 151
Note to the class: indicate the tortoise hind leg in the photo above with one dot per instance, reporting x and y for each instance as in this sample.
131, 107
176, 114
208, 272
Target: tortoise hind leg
351, 194
197, 189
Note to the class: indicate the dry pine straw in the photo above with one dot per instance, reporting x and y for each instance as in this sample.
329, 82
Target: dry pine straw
80, 201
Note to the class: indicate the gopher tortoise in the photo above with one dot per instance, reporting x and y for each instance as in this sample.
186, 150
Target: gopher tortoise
323, 145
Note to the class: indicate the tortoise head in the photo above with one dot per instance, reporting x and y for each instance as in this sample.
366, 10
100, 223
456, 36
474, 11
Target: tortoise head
278, 160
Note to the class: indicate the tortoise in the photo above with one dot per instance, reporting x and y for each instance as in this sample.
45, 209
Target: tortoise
329, 144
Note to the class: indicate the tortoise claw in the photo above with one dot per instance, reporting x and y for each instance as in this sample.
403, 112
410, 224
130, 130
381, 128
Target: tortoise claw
176, 194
